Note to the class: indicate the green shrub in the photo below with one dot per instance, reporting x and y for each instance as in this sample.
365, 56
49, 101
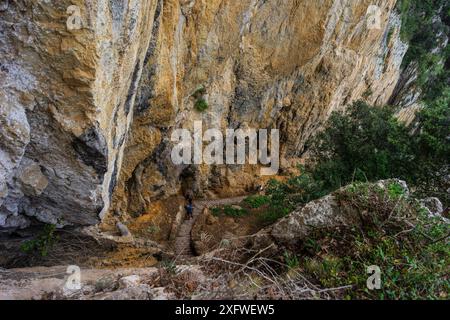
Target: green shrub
410, 248
229, 211
216, 211
368, 144
368, 93
274, 213
169, 266
201, 105
234, 212
42, 243
389, 35
423, 32
363, 143
257, 201
291, 260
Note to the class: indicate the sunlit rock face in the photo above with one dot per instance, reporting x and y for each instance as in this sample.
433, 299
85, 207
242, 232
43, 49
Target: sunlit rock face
87, 114
264, 64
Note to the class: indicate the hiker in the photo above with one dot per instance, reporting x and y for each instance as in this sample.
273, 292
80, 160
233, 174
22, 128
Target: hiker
190, 210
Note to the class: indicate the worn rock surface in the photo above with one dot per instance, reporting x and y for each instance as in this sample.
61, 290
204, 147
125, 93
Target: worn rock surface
327, 212
66, 104
262, 64
86, 114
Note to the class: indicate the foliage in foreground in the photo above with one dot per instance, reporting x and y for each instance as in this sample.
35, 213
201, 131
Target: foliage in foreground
410, 247
257, 201
229, 211
369, 144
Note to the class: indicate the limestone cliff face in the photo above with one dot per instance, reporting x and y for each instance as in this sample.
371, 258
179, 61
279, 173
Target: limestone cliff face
86, 115
283, 64
66, 104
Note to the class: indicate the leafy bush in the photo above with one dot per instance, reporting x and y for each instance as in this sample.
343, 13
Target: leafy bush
43, 242
201, 105
424, 23
410, 248
274, 213
230, 211
257, 201
199, 92
362, 143
432, 147
169, 266
368, 144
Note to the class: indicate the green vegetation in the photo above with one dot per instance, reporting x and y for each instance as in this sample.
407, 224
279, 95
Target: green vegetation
201, 105
291, 260
257, 201
169, 266
368, 93
424, 26
42, 243
368, 144
230, 211
273, 214
389, 35
199, 92
410, 248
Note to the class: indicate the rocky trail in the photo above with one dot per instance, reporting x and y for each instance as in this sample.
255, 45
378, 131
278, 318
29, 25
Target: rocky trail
183, 242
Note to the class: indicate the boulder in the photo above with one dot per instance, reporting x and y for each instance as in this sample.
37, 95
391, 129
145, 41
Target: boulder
326, 212
130, 281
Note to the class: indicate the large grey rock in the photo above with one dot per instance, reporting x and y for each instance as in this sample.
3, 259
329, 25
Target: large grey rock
130, 281
326, 212
66, 105
322, 213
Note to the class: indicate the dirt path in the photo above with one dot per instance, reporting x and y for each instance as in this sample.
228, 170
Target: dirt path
183, 248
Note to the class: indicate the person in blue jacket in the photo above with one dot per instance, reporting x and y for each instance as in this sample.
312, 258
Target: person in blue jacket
190, 210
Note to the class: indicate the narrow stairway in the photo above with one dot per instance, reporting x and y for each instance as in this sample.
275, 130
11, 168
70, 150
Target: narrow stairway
183, 247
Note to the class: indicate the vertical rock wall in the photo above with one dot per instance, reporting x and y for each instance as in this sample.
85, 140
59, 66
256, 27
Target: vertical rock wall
66, 104
86, 115
283, 64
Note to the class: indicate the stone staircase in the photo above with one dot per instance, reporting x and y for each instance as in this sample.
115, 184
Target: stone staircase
183, 244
